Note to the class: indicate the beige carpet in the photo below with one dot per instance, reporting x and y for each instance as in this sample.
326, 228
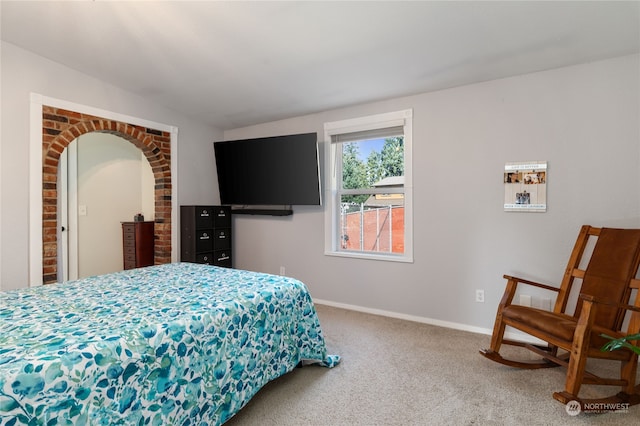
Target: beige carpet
396, 372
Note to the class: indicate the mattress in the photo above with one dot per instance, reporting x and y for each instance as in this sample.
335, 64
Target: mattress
174, 344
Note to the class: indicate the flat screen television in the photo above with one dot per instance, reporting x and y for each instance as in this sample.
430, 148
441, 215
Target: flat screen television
269, 171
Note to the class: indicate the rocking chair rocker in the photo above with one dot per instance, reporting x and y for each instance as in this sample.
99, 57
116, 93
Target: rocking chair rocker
603, 303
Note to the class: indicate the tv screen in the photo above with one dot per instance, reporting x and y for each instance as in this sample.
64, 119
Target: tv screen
278, 170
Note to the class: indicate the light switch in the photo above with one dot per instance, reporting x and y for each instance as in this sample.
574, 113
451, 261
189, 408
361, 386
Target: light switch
82, 210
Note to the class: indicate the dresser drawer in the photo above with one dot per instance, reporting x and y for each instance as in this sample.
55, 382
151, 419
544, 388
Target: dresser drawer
222, 217
206, 258
221, 239
204, 240
222, 258
128, 237
204, 217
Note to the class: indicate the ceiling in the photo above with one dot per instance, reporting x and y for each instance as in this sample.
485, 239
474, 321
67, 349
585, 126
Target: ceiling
235, 64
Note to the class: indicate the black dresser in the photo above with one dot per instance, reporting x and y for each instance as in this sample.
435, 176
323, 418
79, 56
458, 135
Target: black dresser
205, 235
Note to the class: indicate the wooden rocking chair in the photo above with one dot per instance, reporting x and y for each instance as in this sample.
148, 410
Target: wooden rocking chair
604, 299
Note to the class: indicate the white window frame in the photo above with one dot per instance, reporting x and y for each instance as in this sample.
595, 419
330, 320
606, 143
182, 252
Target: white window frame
402, 118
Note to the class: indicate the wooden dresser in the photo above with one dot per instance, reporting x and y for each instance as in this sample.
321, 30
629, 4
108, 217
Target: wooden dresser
137, 244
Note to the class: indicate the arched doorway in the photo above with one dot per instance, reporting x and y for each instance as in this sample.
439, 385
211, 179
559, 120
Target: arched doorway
59, 128
103, 181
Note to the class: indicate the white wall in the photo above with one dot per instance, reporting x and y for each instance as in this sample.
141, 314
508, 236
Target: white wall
113, 175
583, 120
22, 73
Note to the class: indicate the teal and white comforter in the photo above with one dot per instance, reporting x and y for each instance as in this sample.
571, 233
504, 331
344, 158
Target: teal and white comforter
178, 344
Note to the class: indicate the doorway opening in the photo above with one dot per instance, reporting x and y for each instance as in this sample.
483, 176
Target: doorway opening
59, 128
103, 181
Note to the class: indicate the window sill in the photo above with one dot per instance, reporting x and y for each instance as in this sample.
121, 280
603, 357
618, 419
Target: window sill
371, 256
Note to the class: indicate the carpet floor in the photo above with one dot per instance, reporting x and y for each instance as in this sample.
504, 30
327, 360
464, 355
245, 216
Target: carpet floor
397, 372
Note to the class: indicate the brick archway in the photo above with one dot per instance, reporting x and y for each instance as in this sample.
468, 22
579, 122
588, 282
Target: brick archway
59, 128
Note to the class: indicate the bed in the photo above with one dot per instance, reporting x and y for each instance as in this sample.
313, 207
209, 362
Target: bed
180, 344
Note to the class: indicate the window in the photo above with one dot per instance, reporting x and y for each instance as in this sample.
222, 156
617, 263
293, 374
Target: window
368, 196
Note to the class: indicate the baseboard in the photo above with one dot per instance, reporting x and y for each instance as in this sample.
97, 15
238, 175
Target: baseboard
431, 321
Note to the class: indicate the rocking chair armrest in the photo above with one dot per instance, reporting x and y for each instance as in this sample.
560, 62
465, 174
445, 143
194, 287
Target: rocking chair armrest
589, 307
589, 298
531, 283
512, 285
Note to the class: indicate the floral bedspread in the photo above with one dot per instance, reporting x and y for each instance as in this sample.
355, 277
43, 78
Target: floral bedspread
178, 344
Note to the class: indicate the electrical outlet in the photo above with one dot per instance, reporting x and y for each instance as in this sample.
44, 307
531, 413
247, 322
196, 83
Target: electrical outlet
282, 270
480, 296
525, 300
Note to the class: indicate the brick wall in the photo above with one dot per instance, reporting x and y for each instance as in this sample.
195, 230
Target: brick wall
59, 128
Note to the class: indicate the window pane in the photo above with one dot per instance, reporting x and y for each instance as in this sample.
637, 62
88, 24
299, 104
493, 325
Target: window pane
366, 215
374, 224
373, 163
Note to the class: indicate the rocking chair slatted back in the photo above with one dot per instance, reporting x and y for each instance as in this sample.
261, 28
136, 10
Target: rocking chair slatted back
573, 270
612, 266
634, 319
